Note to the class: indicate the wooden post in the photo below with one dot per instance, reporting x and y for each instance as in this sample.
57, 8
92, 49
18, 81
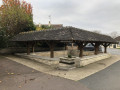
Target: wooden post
81, 51
96, 50
72, 45
51, 46
33, 47
66, 48
105, 47
28, 48
96, 47
51, 50
80, 47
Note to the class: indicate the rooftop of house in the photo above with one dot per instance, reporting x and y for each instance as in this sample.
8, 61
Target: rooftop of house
50, 25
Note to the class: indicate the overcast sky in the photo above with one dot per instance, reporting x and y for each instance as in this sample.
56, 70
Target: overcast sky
103, 15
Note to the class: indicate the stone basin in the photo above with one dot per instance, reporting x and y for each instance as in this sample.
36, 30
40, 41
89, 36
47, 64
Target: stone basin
67, 60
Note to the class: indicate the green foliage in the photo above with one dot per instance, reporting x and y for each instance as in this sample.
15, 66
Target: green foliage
15, 17
46, 27
69, 56
3, 39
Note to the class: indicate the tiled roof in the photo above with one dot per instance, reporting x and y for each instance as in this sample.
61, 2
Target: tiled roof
62, 34
117, 38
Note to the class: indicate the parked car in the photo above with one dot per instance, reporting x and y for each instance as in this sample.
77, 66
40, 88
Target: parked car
90, 47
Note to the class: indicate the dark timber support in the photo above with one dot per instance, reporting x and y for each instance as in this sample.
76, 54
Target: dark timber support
81, 51
105, 49
105, 46
78, 47
51, 51
96, 50
33, 47
66, 48
81, 45
96, 47
51, 46
28, 48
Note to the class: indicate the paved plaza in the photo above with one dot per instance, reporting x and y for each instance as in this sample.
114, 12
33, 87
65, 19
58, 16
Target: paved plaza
15, 76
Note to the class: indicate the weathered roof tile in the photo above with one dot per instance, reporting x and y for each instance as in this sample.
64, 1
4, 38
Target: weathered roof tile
65, 33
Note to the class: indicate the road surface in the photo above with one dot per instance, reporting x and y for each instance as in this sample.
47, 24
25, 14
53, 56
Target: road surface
107, 79
113, 51
14, 76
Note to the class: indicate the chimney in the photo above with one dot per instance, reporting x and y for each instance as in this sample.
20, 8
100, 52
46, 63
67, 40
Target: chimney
49, 24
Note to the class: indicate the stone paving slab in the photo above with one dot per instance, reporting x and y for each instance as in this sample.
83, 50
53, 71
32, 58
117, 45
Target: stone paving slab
15, 76
75, 74
36, 56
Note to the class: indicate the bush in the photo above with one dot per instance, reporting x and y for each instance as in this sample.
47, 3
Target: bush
69, 56
3, 40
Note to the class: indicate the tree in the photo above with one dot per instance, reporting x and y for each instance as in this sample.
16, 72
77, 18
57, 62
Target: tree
3, 39
16, 17
114, 34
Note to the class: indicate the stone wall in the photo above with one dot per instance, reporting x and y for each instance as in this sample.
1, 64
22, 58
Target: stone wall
91, 59
65, 53
24, 50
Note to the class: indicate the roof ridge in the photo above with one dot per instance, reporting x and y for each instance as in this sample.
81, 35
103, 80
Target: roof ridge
70, 29
42, 30
91, 31
64, 28
64, 33
51, 29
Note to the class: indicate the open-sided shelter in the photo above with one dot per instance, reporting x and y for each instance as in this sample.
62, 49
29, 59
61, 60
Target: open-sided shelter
66, 34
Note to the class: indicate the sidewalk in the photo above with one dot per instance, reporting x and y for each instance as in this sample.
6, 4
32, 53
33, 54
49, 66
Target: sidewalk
74, 74
15, 76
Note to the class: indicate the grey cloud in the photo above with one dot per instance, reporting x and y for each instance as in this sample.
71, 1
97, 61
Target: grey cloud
101, 15
106, 15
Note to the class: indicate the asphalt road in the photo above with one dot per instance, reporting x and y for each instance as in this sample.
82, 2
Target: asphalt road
113, 51
14, 76
107, 79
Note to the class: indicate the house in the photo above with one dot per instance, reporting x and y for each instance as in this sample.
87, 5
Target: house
48, 26
116, 45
